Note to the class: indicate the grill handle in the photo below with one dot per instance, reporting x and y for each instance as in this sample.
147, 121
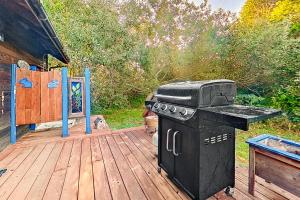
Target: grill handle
167, 145
177, 98
174, 144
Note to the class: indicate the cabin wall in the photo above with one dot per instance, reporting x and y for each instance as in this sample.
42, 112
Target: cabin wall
9, 55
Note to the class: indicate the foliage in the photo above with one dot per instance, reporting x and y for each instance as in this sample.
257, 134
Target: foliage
250, 100
286, 9
112, 89
123, 118
180, 36
133, 46
256, 11
94, 37
288, 99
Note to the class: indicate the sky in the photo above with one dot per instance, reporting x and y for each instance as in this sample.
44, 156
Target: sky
232, 5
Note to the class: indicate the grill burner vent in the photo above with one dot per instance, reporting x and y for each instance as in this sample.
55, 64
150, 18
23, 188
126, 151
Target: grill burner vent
217, 139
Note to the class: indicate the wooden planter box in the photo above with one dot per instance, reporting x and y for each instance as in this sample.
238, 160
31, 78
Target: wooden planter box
276, 160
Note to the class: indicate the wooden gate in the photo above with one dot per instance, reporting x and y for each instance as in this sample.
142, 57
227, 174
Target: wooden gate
38, 96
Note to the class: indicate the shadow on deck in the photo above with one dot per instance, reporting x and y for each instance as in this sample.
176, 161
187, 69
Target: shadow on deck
105, 165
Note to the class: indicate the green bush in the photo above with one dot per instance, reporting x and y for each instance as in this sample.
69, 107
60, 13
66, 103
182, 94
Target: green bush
251, 100
288, 100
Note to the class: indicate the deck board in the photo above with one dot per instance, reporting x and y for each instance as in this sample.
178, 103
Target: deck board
133, 188
70, 188
56, 183
117, 187
103, 166
40, 185
101, 186
86, 182
27, 181
9, 185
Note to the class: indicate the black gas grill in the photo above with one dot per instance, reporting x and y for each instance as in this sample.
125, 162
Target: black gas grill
196, 143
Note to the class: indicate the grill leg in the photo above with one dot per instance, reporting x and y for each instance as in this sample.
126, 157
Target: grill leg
159, 170
229, 191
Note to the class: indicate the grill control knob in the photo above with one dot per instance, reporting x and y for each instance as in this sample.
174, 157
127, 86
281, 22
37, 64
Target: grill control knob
172, 109
156, 105
183, 112
164, 107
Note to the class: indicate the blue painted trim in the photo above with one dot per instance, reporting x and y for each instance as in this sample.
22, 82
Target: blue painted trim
87, 100
13, 128
256, 143
33, 68
32, 127
64, 82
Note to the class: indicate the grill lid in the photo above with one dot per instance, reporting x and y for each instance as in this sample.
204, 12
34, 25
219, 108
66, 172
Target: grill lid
198, 93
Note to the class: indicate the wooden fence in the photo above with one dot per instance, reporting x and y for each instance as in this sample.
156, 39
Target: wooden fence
38, 96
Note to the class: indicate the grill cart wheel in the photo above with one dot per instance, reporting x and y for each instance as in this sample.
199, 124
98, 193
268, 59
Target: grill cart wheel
159, 170
229, 191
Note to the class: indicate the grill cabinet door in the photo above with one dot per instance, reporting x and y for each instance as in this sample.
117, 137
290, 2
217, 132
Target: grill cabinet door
165, 156
186, 162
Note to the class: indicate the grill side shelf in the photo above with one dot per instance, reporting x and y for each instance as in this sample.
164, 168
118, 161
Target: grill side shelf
237, 116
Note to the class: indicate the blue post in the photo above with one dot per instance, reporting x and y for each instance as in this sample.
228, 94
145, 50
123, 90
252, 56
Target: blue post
64, 81
13, 128
33, 126
87, 101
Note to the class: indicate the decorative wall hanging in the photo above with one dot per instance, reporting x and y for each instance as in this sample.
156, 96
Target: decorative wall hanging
53, 84
26, 83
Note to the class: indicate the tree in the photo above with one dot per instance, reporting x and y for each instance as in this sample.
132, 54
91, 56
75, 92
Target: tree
256, 11
93, 36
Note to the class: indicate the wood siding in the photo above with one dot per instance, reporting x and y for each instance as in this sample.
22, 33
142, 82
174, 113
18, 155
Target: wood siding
10, 55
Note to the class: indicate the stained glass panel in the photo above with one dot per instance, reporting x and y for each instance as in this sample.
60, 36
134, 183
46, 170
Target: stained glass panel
76, 97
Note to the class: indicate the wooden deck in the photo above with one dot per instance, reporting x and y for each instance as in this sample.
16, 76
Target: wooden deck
106, 165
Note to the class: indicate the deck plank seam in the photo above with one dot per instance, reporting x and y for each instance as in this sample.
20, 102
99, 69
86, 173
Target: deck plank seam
54, 169
16, 151
66, 170
105, 166
100, 151
116, 165
79, 166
